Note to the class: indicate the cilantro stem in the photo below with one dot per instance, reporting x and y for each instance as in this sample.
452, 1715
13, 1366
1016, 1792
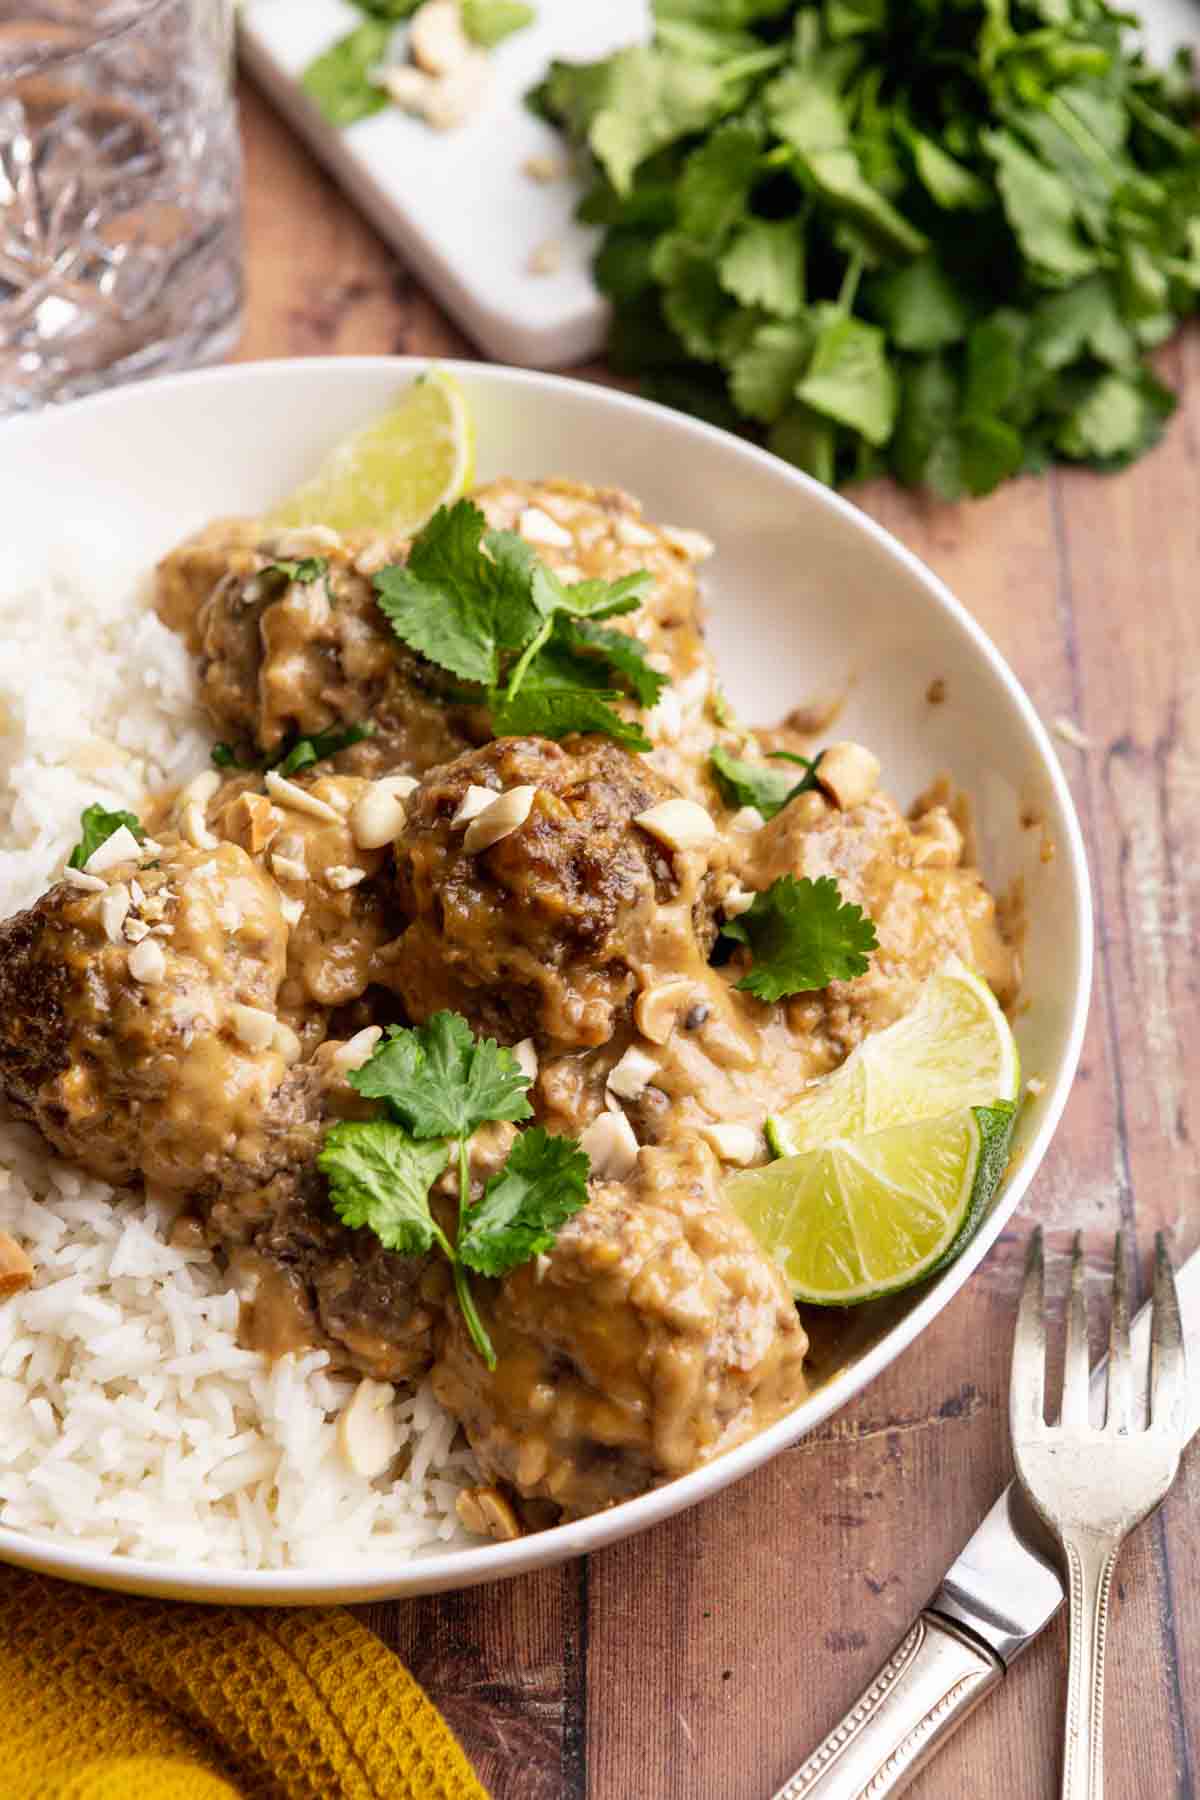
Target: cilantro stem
526, 657
850, 281
753, 62
462, 1283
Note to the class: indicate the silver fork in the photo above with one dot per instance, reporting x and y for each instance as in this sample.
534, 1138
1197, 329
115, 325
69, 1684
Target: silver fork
1092, 1485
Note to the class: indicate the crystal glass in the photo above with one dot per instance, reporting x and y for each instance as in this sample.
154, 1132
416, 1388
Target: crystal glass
120, 226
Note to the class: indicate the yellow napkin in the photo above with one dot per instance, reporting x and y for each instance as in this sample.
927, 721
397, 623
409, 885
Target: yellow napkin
106, 1698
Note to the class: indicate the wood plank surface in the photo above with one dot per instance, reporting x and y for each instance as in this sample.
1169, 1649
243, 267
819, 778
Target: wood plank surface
706, 1657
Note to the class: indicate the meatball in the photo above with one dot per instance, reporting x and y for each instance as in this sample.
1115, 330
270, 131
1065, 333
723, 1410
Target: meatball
137, 1025
306, 1279
546, 932
280, 658
912, 880
655, 1335
170, 1066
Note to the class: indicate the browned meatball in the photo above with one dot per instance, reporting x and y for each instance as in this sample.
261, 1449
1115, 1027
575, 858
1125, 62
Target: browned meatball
546, 932
125, 1037
279, 659
164, 1063
655, 1335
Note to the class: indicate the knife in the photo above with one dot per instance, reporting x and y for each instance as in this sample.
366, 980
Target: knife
995, 1599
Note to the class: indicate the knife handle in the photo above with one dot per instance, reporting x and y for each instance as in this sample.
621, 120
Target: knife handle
921, 1694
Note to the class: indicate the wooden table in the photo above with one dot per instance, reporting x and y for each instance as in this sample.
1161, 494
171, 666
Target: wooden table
706, 1657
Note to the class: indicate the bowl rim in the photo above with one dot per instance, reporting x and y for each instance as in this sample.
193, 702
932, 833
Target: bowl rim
460, 1568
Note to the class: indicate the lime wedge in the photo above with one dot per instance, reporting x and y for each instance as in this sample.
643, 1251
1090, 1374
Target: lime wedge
866, 1216
393, 474
953, 1050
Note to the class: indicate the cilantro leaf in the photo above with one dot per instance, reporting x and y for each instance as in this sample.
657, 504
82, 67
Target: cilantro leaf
624, 654
555, 710
593, 599
224, 756
380, 1177
489, 22
802, 936
1041, 210
716, 182
96, 826
755, 784
566, 685
850, 379
309, 750
651, 99
541, 1186
440, 1081
947, 181
764, 266
763, 375
453, 604
921, 305
305, 569
339, 83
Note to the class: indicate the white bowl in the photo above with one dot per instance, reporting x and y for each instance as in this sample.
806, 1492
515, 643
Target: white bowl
805, 593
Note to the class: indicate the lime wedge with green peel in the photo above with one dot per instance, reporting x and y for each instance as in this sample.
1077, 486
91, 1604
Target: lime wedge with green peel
954, 1049
393, 474
866, 1216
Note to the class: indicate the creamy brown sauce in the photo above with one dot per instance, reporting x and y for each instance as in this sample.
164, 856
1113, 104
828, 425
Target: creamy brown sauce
656, 1333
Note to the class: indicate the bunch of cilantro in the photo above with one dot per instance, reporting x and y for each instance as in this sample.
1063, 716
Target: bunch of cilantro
437, 1085
935, 237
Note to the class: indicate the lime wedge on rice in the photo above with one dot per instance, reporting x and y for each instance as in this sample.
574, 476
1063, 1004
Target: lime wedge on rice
953, 1050
866, 1216
393, 474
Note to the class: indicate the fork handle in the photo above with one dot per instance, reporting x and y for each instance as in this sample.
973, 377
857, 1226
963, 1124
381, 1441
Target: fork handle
921, 1694
1091, 1558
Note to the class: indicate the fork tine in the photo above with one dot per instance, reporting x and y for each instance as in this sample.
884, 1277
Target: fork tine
1026, 1401
1168, 1359
1076, 1368
1118, 1415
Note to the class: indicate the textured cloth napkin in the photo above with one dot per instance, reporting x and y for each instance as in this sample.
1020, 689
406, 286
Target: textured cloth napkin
106, 1698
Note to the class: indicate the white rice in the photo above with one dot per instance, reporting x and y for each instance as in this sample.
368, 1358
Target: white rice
130, 1418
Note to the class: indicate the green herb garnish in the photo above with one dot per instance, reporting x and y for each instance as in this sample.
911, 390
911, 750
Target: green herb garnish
305, 569
489, 22
755, 784
301, 753
802, 936
96, 826
339, 81
322, 744
480, 604
935, 238
439, 1083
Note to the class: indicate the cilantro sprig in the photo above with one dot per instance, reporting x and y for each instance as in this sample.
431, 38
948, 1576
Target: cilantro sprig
303, 569
755, 784
438, 1084
96, 826
481, 605
802, 935
937, 239
300, 753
